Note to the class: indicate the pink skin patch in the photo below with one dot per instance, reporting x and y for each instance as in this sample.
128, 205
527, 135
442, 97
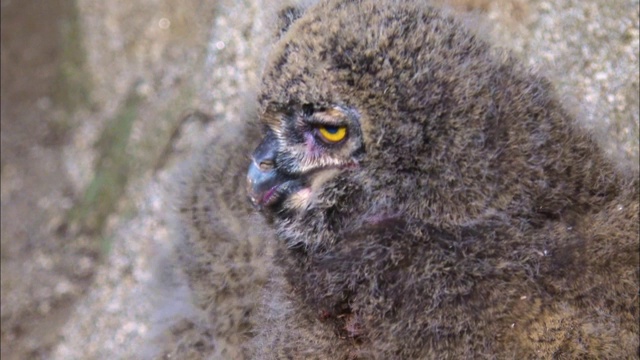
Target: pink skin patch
267, 196
381, 218
312, 149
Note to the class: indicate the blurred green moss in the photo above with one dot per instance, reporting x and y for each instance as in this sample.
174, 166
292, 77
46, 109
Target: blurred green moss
111, 173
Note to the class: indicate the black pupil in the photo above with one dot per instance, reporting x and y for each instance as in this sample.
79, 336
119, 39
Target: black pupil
331, 129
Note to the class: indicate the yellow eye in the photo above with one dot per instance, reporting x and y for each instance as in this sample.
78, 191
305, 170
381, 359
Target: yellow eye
333, 133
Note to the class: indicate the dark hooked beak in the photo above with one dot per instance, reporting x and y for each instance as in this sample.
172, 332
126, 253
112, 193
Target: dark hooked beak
262, 177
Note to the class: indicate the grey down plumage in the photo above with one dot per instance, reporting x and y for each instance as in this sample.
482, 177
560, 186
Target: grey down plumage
462, 214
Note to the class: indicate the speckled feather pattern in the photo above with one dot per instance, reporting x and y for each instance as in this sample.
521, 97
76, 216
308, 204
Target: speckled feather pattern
480, 222
493, 189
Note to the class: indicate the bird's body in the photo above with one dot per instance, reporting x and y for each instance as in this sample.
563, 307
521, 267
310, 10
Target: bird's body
431, 198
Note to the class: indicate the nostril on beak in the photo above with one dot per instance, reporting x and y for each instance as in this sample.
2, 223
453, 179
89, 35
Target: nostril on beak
266, 165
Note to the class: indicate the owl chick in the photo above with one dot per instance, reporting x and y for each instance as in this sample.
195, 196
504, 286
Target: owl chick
432, 198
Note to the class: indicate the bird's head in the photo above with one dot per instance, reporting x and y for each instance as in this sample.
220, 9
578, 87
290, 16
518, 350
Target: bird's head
310, 160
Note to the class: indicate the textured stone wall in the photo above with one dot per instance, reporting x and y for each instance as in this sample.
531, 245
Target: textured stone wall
162, 78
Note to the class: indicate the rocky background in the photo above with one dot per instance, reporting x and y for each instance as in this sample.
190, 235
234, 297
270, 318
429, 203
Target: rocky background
103, 102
